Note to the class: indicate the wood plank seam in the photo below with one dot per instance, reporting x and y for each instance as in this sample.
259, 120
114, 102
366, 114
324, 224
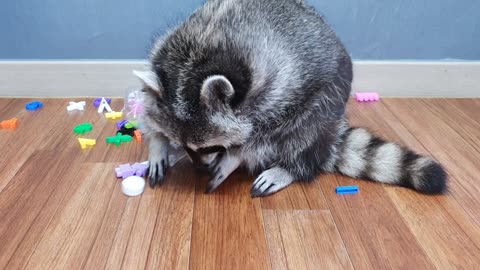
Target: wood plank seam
296, 225
116, 231
193, 215
341, 237
46, 228
36, 217
448, 123
451, 215
430, 154
450, 176
78, 224
266, 240
98, 231
75, 228
129, 237
150, 244
460, 225
335, 222
44, 231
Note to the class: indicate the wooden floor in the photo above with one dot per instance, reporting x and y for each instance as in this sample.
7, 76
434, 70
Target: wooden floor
62, 208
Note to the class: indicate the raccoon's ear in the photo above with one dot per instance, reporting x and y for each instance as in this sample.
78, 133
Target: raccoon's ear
149, 79
216, 89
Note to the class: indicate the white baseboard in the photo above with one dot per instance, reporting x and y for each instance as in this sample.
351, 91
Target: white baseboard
112, 78
418, 79
67, 78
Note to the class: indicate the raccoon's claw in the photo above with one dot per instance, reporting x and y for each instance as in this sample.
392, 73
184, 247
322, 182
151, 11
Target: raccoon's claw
271, 181
216, 180
157, 171
221, 171
158, 159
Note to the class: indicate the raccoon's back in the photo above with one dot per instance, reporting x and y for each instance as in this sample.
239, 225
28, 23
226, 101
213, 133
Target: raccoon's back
275, 52
274, 31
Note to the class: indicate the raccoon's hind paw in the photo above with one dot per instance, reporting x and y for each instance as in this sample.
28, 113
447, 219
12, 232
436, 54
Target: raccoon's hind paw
157, 170
222, 170
271, 181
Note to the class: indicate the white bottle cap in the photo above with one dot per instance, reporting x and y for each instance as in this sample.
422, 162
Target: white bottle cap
133, 185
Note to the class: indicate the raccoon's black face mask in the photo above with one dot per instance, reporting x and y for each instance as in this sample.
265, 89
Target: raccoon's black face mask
205, 125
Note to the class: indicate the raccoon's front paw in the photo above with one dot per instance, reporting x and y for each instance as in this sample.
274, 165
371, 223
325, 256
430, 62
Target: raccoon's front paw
217, 178
157, 169
222, 170
271, 181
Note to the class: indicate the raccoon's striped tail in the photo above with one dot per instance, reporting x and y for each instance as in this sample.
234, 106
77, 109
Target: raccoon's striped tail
363, 155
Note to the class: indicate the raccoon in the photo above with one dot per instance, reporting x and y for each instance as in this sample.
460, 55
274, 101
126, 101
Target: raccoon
264, 84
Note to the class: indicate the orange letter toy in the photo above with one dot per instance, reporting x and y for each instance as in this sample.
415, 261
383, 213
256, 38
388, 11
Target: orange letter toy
9, 124
137, 135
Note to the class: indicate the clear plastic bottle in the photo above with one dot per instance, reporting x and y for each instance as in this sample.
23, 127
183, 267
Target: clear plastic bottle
133, 104
133, 111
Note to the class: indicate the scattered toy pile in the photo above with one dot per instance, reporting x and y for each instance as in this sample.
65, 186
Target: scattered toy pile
133, 184
126, 129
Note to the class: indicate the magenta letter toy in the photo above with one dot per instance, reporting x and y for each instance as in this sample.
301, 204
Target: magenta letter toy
373, 96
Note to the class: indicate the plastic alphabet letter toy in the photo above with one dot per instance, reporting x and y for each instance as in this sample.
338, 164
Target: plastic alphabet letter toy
137, 135
121, 124
124, 171
9, 124
84, 143
346, 190
140, 168
119, 139
127, 131
127, 170
373, 96
113, 115
104, 106
76, 106
83, 128
97, 101
34, 105
133, 123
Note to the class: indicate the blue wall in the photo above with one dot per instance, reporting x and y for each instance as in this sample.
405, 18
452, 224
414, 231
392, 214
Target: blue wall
123, 29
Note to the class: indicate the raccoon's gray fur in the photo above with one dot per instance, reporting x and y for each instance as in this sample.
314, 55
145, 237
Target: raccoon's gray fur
263, 84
